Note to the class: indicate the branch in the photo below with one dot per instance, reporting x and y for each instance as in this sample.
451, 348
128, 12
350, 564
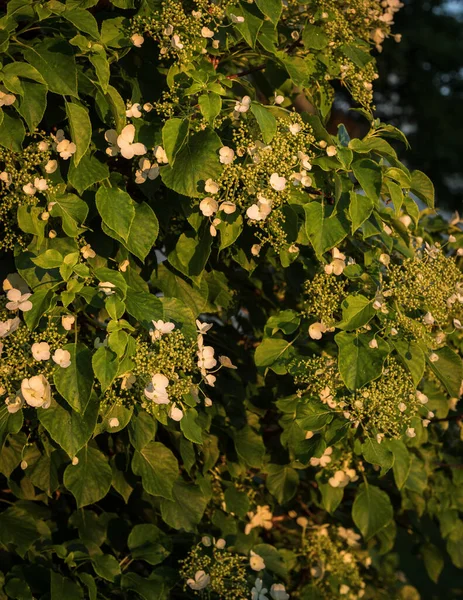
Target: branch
247, 72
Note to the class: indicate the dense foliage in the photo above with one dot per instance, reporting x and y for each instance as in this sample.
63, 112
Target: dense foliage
230, 341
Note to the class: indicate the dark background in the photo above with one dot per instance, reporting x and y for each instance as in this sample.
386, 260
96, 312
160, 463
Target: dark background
420, 90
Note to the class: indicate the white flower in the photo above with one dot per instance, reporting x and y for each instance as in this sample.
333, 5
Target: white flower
410, 432
211, 187
75, 461
206, 32
402, 406
261, 210
323, 460
338, 264
51, 166
67, 321
208, 206
243, 105
457, 324
6, 99
160, 329
226, 362
113, 422
175, 413
36, 391
137, 40
43, 146
236, 18
111, 137
433, 357
295, 128
385, 259
9, 326
373, 343
206, 358
258, 591
261, 518
203, 328
220, 544
156, 389
422, 398
6, 178
279, 99
196, 14
207, 402
62, 358
176, 43
316, 330
18, 301
226, 155
107, 287
331, 151
277, 183
340, 479
278, 592
29, 189
66, 149
146, 171
200, 581
128, 379
40, 351
134, 111
344, 589
148, 107
256, 562
428, 319
350, 536
124, 265
160, 155
210, 379
255, 249
129, 149
228, 207
12, 406
87, 251
40, 184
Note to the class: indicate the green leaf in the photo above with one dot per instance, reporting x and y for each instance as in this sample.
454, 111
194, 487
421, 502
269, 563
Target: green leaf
41, 301
69, 429
186, 508
157, 467
272, 352
153, 588
372, 510
378, 454
191, 253
90, 479
148, 542
358, 363
142, 429
323, 233
368, 174
106, 566
105, 365
19, 528
117, 210
314, 37
62, 587
331, 497
117, 105
12, 132
449, 369
423, 187
396, 194
174, 136
54, 60
356, 55
266, 121
356, 312
44, 473
83, 20
81, 129
286, 321
190, 427
50, 259
18, 589
433, 560
402, 462
282, 482
230, 229
73, 212
210, 105
250, 27
195, 162
249, 446
360, 208
236, 502
101, 64
412, 357
271, 9
144, 307
76, 381
32, 106
313, 415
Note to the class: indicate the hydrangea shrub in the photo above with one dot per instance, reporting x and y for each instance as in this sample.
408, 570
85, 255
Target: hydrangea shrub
231, 339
